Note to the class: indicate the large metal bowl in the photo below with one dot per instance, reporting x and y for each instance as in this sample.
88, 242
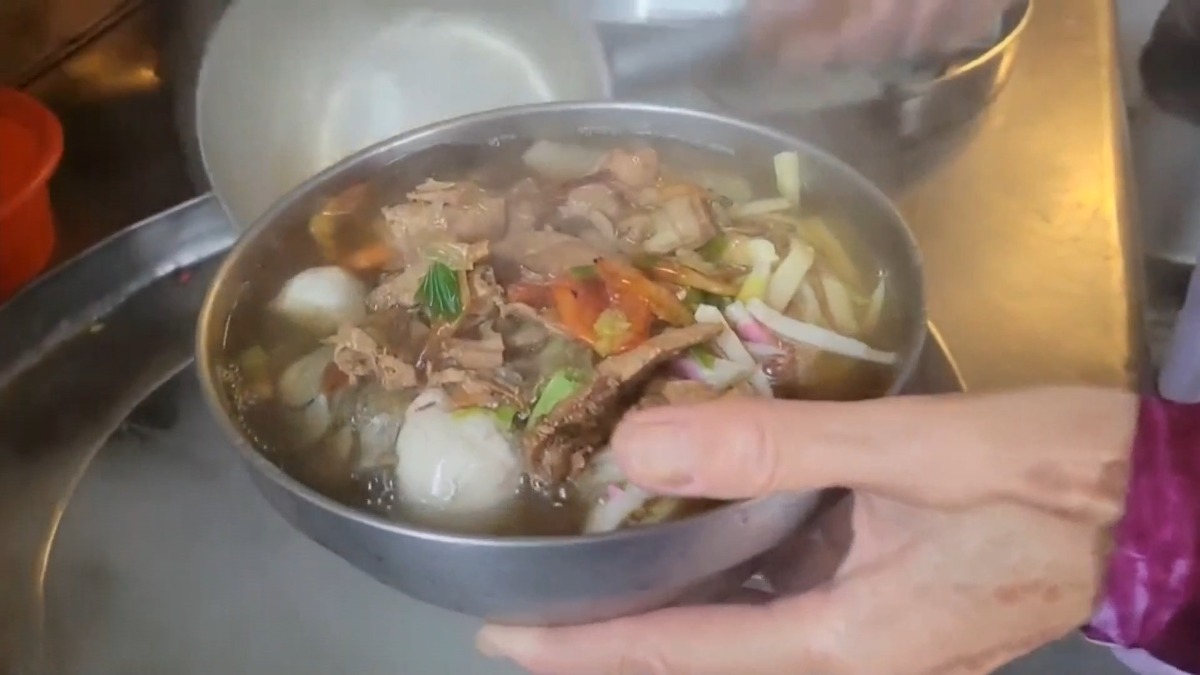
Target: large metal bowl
548, 580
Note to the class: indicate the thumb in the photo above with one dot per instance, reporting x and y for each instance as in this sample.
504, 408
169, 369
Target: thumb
746, 447
736, 449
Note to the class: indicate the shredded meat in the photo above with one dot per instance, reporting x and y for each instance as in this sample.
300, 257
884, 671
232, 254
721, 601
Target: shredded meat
544, 252
525, 206
398, 290
636, 169
636, 227
354, 352
486, 294
394, 374
683, 222
357, 355
436, 210
527, 313
468, 389
596, 197
560, 444
486, 353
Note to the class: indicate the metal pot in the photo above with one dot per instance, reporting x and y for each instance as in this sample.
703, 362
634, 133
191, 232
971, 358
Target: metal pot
554, 579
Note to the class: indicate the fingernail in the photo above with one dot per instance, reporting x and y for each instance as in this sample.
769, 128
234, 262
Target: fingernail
657, 455
498, 642
485, 644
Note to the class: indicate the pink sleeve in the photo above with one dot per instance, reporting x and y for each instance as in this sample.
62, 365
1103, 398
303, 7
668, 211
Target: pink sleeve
1151, 603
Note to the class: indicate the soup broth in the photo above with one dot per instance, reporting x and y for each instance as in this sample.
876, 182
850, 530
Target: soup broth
451, 342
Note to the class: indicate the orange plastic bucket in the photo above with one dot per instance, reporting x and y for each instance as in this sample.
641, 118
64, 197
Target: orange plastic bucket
31, 145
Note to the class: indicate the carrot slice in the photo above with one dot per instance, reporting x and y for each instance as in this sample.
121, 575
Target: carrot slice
579, 304
664, 303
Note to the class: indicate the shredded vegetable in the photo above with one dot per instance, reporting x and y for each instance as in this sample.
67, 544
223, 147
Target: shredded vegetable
672, 272
789, 275
875, 307
760, 207
665, 305
810, 305
716, 373
732, 348
760, 256
762, 352
837, 298
805, 333
788, 179
612, 330
505, 416
715, 248
557, 389
746, 326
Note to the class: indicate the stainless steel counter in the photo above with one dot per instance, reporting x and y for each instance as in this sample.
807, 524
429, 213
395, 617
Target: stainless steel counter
1028, 229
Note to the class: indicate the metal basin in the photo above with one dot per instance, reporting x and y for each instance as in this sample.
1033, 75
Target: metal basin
287, 88
555, 579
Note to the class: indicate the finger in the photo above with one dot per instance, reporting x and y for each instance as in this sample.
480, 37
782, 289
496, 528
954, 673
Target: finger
771, 21
745, 448
945, 451
871, 36
813, 556
940, 29
802, 35
767, 639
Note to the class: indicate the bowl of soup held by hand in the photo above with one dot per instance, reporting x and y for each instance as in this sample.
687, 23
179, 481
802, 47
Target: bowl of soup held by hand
422, 352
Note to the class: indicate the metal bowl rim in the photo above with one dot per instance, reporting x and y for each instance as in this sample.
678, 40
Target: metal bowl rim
269, 470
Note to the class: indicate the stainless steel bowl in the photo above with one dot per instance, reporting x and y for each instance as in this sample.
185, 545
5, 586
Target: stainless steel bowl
570, 579
289, 87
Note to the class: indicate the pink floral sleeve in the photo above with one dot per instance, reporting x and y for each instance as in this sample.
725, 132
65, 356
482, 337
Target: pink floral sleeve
1150, 611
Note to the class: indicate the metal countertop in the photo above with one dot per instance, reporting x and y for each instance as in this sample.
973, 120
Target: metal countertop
1028, 231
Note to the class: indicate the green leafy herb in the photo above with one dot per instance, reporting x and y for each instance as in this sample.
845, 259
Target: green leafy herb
557, 389
584, 273
715, 248
506, 416
439, 294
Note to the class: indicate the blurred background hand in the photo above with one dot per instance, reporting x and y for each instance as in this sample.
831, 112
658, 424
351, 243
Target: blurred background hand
813, 34
978, 532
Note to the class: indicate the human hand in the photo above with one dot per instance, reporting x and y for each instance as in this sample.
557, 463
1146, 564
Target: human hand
979, 531
809, 34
